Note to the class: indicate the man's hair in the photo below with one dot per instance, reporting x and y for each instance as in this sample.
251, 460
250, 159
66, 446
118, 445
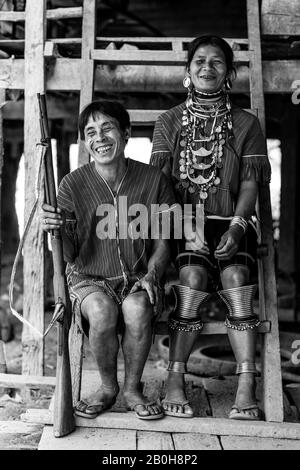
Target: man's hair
113, 109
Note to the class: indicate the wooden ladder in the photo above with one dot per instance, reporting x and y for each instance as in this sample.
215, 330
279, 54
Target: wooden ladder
270, 351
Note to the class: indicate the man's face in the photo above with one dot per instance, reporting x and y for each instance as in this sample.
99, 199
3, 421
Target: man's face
104, 139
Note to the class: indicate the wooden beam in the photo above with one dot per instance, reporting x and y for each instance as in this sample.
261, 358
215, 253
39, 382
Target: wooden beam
271, 363
54, 14
64, 13
33, 268
280, 18
2, 104
13, 16
64, 75
26, 381
87, 65
214, 426
151, 57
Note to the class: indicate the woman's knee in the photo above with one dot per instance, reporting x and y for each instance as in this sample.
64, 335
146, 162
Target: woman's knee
194, 277
234, 276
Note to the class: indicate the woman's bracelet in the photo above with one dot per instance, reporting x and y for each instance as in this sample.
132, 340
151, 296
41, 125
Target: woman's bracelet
238, 220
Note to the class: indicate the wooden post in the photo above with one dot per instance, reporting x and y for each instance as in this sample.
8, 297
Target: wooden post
271, 364
2, 102
33, 310
87, 64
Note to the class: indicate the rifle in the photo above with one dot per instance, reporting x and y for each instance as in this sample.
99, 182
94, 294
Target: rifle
63, 422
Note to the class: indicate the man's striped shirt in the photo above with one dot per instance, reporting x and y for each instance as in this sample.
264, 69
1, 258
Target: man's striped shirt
82, 194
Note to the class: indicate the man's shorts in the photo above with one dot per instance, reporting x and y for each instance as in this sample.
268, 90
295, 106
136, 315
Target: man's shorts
213, 230
81, 285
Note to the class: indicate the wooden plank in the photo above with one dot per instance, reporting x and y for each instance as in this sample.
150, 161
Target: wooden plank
64, 13
281, 25
13, 16
291, 7
89, 439
215, 426
16, 426
54, 14
162, 40
87, 74
22, 381
271, 362
151, 57
3, 313
280, 18
192, 441
64, 75
33, 268
258, 443
154, 441
15, 435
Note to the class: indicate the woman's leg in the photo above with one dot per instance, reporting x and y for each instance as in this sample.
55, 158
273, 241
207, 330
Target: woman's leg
184, 328
242, 323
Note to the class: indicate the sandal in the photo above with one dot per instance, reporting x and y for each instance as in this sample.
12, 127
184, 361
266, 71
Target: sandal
237, 412
146, 406
175, 413
85, 410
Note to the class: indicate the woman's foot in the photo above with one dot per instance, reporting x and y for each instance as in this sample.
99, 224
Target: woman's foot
175, 402
136, 401
95, 404
245, 406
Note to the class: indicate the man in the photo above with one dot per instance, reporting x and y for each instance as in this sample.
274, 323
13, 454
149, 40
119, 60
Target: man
113, 268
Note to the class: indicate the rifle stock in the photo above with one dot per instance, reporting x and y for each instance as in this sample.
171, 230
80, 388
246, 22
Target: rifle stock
64, 422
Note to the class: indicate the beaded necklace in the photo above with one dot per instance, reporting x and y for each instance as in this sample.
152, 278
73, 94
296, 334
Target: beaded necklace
203, 135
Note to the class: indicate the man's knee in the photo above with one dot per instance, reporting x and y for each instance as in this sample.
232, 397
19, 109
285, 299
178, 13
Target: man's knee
137, 310
194, 277
100, 311
234, 276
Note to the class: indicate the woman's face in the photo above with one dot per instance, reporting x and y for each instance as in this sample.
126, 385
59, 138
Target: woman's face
208, 69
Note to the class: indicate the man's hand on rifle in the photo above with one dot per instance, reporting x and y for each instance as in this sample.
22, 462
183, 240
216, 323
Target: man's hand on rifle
51, 218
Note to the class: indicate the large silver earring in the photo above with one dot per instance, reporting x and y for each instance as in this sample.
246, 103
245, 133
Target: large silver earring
228, 84
186, 81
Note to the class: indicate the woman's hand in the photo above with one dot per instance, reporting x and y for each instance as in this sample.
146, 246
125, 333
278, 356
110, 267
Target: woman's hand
229, 243
194, 239
50, 218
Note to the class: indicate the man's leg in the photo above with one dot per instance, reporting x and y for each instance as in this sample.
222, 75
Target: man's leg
241, 324
183, 334
136, 343
101, 312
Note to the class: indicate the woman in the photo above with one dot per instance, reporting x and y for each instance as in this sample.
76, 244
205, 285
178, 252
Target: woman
215, 155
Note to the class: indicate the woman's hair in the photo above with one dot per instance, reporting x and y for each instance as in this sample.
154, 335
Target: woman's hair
216, 41
110, 108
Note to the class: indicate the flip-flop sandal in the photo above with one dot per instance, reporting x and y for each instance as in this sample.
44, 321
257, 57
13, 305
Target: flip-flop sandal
177, 414
146, 405
237, 412
85, 410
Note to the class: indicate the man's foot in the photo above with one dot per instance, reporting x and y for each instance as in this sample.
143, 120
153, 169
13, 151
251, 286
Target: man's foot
102, 400
245, 407
175, 402
144, 409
